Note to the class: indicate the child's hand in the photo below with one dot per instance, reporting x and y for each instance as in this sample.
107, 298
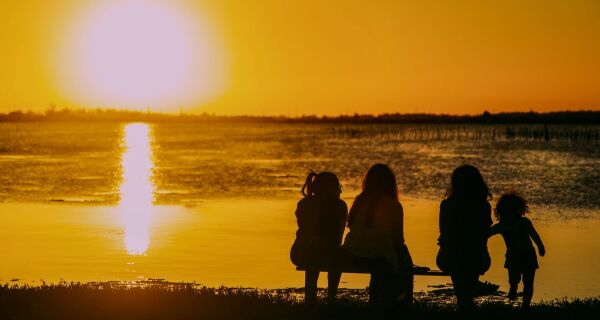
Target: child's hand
542, 251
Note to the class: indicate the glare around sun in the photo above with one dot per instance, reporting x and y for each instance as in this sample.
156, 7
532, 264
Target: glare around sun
139, 55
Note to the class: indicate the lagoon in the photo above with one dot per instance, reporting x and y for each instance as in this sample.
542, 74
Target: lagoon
214, 203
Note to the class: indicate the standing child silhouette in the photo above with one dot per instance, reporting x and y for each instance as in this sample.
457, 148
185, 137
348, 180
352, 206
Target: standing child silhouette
518, 231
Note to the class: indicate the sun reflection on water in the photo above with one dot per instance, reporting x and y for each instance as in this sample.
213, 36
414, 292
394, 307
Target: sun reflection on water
136, 189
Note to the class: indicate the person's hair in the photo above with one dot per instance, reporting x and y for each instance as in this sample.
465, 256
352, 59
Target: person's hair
319, 184
378, 181
510, 207
467, 182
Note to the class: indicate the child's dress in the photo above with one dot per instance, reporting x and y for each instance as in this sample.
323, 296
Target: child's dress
520, 253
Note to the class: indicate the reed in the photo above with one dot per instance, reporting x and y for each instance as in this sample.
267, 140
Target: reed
419, 133
164, 300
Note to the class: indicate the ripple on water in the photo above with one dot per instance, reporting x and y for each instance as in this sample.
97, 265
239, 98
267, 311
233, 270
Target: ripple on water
202, 161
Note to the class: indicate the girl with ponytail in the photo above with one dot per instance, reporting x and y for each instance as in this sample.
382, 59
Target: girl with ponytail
321, 217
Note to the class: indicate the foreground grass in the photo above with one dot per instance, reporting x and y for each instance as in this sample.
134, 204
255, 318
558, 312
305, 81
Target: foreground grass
118, 300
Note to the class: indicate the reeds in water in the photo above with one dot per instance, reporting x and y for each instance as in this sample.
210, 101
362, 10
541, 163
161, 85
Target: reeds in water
403, 132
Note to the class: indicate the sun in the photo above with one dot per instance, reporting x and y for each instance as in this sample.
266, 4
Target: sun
137, 54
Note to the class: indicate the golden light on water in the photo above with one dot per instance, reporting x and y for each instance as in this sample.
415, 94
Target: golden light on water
136, 188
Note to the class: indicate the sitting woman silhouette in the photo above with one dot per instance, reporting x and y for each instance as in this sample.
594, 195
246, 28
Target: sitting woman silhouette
376, 237
321, 217
465, 220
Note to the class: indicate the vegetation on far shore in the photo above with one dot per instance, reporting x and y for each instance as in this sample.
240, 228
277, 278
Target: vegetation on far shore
113, 115
164, 300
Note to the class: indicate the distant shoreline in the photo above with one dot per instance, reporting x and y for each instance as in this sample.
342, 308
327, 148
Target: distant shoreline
111, 115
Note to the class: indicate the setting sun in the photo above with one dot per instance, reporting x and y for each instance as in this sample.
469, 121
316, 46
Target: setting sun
140, 55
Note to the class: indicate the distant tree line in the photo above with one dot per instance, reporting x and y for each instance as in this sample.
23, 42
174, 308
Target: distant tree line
113, 115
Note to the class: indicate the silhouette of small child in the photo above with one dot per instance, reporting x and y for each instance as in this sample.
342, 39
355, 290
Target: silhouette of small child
518, 231
321, 217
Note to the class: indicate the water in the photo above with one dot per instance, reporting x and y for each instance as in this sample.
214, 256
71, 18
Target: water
246, 243
197, 162
214, 203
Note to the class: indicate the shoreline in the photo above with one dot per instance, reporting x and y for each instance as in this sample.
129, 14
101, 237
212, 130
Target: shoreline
442, 294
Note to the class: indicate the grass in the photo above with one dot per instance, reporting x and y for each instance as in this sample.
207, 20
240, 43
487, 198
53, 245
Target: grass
164, 300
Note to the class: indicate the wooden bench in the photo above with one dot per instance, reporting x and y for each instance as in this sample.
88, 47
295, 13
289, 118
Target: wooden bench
417, 270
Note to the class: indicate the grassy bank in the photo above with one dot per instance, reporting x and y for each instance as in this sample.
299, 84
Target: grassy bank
188, 301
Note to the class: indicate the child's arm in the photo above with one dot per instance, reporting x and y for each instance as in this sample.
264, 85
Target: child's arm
536, 238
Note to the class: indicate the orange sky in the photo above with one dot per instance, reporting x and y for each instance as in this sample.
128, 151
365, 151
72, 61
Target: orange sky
307, 57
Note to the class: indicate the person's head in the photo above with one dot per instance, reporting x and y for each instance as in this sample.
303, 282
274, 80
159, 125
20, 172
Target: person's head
510, 207
467, 182
380, 180
321, 184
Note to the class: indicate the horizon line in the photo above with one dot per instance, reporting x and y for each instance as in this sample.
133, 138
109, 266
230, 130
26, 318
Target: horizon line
115, 115
52, 110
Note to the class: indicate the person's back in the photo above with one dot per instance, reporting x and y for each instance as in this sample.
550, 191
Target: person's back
516, 236
322, 221
377, 230
464, 226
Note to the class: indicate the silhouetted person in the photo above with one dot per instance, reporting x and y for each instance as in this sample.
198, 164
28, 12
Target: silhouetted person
465, 220
321, 217
376, 237
518, 231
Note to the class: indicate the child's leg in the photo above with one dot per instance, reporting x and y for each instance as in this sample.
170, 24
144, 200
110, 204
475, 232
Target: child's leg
514, 277
333, 281
528, 278
310, 286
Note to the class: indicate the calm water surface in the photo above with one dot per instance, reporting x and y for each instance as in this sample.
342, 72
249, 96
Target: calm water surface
195, 162
246, 243
214, 203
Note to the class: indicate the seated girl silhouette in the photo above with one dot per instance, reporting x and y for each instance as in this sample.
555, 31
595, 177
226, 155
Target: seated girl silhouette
465, 221
518, 231
321, 217
376, 238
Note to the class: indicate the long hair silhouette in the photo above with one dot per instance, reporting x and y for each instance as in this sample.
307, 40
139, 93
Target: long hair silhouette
467, 182
378, 181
